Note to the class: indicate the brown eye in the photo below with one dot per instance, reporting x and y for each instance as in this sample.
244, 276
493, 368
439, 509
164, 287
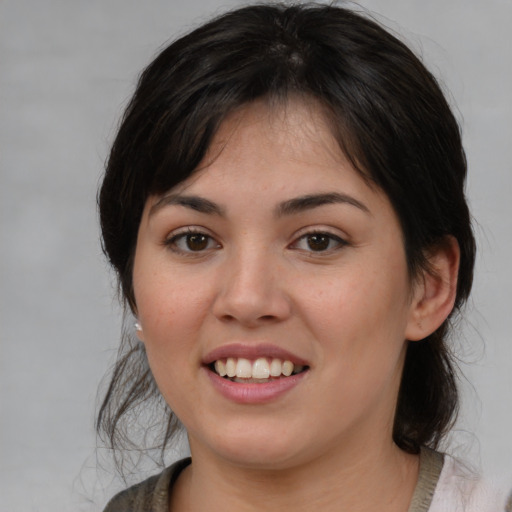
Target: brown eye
191, 242
318, 241
197, 242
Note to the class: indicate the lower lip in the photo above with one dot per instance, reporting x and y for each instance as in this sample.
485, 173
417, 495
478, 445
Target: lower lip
253, 393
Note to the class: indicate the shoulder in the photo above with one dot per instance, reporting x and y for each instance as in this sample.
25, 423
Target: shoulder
459, 489
151, 495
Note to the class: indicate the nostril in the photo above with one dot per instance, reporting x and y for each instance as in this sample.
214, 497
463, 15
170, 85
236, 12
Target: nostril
264, 318
252, 306
228, 318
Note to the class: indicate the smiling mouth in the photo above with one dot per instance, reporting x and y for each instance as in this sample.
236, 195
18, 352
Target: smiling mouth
259, 371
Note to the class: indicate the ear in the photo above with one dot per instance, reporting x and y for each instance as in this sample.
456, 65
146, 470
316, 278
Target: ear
137, 326
434, 290
138, 331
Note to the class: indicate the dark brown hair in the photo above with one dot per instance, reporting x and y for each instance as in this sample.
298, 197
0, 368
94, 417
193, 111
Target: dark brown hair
390, 118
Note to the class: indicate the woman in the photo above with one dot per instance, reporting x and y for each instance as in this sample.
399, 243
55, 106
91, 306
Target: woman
284, 206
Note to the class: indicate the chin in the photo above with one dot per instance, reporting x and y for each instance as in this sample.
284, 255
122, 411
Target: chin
266, 459
260, 449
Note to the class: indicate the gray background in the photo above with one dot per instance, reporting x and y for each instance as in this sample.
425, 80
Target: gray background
66, 70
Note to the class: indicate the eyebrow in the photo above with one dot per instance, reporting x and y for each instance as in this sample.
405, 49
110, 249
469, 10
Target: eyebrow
199, 204
289, 207
308, 202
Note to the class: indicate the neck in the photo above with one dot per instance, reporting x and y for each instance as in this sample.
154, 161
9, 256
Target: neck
378, 479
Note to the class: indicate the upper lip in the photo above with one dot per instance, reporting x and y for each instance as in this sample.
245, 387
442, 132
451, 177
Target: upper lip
252, 351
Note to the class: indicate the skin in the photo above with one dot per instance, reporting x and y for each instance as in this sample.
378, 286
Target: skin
257, 276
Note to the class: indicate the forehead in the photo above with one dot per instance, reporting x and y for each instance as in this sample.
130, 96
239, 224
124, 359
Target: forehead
265, 141
295, 129
267, 154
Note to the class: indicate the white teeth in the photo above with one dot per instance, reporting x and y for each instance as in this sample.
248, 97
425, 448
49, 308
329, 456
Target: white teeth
220, 368
231, 367
287, 368
260, 369
242, 368
275, 367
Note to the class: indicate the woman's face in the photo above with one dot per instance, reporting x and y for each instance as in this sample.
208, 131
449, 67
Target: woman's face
276, 256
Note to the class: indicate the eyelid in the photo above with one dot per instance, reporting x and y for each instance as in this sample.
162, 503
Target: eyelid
171, 238
322, 229
305, 232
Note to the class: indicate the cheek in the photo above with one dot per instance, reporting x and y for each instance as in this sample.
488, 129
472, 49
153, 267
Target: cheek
166, 310
170, 315
160, 295
171, 310
360, 314
361, 330
361, 292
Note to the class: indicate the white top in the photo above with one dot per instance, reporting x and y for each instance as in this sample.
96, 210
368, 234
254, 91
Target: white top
460, 490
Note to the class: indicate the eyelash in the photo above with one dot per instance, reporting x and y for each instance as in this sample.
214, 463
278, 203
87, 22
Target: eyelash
339, 242
186, 236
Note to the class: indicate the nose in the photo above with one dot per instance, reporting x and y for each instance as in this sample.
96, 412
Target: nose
252, 290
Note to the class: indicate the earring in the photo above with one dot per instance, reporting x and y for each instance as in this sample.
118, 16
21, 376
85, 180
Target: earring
138, 327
